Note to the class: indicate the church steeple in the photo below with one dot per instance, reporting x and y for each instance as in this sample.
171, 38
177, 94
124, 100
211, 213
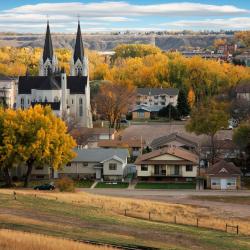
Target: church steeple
79, 62
48, 62
48, 47
79, 50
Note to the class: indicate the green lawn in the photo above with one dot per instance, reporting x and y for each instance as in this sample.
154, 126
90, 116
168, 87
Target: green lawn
108, 185
148, 185
84, 183
87, 222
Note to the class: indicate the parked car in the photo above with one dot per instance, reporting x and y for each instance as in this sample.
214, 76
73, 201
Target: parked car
45, 187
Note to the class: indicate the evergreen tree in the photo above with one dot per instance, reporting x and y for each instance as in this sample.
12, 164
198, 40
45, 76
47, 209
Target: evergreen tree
182, 104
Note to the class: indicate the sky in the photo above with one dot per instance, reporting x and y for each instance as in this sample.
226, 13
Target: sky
30, 16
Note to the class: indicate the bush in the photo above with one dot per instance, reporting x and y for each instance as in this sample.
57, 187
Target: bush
66, 184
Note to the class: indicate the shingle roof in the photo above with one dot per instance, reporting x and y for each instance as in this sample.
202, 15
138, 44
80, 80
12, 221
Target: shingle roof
48, 47
179, 152
223, 168
162, 141
122, 143
76, 84
79, 50
99, 154
157, 91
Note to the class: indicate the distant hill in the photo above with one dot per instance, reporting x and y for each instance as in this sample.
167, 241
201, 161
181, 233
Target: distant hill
108, 42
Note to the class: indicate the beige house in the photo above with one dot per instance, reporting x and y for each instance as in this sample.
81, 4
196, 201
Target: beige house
224, 175
167, 164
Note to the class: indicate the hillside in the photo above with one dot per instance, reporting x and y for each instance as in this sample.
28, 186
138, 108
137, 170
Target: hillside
108, 42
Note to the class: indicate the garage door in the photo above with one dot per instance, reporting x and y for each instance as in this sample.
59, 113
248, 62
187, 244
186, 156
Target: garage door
223, 184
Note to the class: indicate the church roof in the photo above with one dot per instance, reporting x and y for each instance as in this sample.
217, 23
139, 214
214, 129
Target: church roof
79, 50
48, 47
76, 84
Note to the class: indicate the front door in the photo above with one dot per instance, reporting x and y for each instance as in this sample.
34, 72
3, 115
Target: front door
98, 173
176, 170
223, 184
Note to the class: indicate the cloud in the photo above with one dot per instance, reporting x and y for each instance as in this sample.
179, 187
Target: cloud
237, 23
117, 15
127, 9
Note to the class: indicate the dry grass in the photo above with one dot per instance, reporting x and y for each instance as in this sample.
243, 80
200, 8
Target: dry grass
13, 240
185, 214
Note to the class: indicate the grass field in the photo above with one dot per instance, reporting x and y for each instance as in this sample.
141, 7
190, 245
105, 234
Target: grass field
148, 185
108, 185
84, 184
14, 240
93, 217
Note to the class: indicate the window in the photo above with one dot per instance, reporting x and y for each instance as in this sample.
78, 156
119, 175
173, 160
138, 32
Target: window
28, 101
156, 103
45, 99
85, 164
163, 103
72, 101
56, 99
144, 167
156, 97
22, 102
215, 182
40, 99
39, 167
68, 164
189, 168
80, 101
112, 166
80, 107
140, 114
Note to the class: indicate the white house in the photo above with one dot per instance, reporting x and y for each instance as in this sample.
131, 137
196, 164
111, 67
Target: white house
67, 95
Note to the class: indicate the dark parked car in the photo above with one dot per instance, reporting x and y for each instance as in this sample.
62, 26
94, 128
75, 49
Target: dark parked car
45, 187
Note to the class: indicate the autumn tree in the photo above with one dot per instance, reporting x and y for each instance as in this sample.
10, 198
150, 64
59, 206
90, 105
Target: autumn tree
208, 119
182, 104
114, 100
35, 136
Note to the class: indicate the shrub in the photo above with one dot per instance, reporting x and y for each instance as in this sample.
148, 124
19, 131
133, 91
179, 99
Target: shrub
66, 184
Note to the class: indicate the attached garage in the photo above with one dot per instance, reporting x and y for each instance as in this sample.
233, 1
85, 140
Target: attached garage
224, 176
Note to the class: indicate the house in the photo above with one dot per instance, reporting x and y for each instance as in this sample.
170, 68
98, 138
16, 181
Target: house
150, 100
106, 164
68, 95
134, 146
243, 91
97, 163
224, 175
89, 137
8, 91
167, 164
174, 139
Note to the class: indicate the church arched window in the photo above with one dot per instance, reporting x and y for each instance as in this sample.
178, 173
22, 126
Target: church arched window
40, 99
80, 107
56, 99
22, 103
45, 99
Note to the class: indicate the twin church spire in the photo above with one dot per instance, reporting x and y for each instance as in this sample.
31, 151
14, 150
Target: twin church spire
49, 63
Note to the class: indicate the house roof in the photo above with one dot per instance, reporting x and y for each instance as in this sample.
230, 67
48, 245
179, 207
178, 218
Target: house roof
223, 169
132, 143
157, 91
162, 141
243, 87
48, 47
114, 157
99, 154
76, 84
226, 144
141, 108
84, 135
79, 50
172, 150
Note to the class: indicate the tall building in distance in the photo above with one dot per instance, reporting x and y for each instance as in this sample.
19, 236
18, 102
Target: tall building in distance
68, 96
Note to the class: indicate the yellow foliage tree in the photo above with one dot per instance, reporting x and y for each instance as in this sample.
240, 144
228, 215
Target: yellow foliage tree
36, 136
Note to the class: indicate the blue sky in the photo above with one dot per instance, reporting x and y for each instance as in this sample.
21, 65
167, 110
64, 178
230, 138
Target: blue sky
122, 15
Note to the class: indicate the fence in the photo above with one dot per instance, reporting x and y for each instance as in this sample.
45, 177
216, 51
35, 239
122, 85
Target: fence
197, 222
